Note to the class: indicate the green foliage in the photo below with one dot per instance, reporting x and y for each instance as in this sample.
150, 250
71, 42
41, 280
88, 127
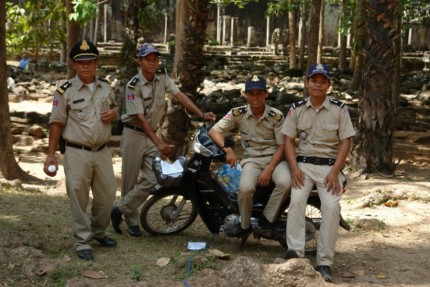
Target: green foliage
136, 273
34, 24
213, 43
60, 276
84, 10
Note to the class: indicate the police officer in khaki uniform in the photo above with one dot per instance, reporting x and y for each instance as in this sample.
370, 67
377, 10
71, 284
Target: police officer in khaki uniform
82, 112
145, 108
324, 129
260, 131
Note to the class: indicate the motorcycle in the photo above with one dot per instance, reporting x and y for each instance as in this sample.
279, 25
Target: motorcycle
172, 209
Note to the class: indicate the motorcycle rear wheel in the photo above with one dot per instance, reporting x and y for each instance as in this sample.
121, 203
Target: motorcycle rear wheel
167, 212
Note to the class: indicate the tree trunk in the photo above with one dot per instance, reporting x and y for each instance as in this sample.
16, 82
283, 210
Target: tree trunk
191, 72
302, 43
376, 126
321, 35
8, 165
182, 15
313, 33
73, 36
398, 60
359, 43
292, 38
343, 38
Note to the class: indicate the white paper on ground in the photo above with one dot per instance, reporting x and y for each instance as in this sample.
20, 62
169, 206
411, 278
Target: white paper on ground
196, 245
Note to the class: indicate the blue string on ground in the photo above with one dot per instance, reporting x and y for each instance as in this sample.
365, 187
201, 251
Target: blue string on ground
190, 262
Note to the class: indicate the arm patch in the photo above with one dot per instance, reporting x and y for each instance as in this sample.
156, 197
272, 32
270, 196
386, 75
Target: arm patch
61, 89
299, 103
337, 102
133, 82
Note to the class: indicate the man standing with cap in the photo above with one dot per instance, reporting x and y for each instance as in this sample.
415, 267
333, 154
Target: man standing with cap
259, 126
145, 109
324, 129
82, 112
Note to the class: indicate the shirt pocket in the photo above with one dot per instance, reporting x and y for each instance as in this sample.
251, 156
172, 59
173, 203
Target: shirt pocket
330, 131
80, 112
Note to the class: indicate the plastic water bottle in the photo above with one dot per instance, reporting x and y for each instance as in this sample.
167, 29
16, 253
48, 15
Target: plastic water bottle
52, 168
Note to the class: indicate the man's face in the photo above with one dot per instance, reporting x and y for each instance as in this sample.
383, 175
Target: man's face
85, 69
318, 85
149, 63
256, 98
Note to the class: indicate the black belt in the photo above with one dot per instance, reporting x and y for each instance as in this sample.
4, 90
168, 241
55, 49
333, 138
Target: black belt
134, 128
316, 160
87, 148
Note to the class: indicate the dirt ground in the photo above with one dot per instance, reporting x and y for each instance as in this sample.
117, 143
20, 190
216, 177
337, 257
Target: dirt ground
389, 244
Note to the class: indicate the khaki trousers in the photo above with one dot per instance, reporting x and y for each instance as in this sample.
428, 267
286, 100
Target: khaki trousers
137, 176
85, 170
330, 210
251, 171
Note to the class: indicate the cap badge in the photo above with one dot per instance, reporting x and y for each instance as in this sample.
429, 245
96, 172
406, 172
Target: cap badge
255, 78
84, 45
320, 67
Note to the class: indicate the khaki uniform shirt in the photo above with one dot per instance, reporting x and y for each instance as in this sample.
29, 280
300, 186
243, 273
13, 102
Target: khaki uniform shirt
319, 130
78, 109
148, 98
259, 137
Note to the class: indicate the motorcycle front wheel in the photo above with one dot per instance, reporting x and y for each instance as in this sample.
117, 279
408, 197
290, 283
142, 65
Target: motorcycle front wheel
167, 212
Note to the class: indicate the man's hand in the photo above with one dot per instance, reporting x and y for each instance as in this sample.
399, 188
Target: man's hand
331, 182
108, 116
209, 117
297, 178
50, 160
165, 149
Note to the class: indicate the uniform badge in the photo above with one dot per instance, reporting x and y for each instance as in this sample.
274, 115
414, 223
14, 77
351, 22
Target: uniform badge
130, 97
84, 46
303, 135
255, 78
55, 103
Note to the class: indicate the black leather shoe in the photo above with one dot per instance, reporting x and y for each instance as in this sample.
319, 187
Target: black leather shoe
85, 254
263, 223
106, 241
291, 254
325, 272
134, 231
116, 218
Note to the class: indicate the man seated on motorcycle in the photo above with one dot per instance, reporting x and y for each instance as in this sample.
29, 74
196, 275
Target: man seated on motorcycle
263, 160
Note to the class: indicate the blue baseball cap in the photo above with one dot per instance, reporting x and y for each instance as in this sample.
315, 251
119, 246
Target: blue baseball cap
319, 69
147, 49
255, 83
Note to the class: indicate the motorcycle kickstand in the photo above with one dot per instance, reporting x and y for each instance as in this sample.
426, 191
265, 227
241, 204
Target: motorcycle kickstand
243, 240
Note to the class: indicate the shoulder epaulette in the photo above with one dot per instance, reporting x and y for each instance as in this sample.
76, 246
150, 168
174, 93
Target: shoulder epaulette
103, 80
133, 82
299, 103
161, 71
337, 102
239, 110
275, 115
61, 89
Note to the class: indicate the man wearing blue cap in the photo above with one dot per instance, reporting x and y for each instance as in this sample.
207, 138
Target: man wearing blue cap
145, 109
82, 112
259, 126
324, 130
